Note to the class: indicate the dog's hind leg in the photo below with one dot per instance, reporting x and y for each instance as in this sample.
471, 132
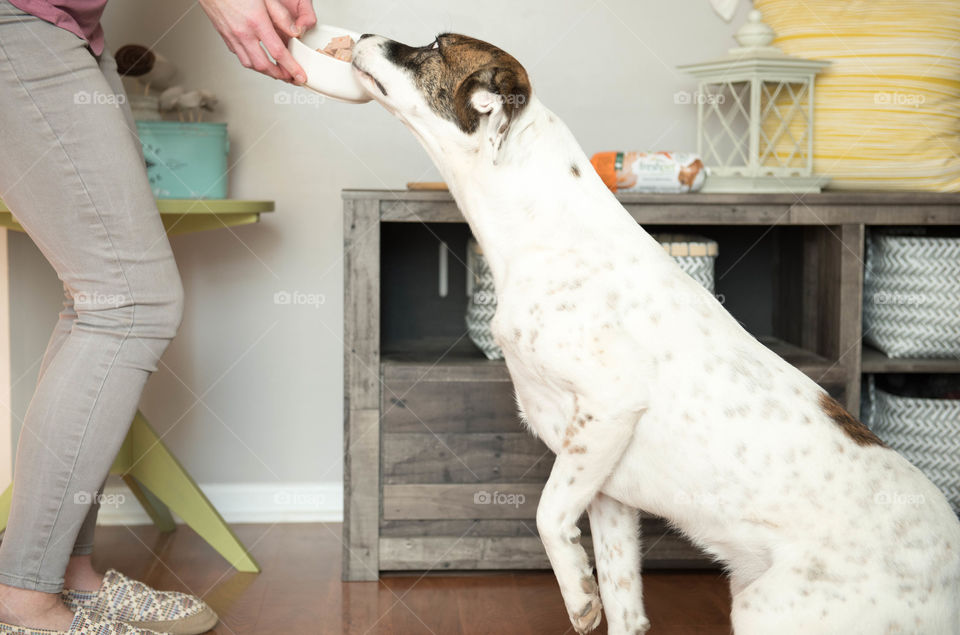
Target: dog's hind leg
592, 447
615, 529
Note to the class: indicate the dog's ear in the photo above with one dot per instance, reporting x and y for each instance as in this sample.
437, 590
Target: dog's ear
495, 92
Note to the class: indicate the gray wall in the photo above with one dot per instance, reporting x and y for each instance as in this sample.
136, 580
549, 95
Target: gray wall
269, 377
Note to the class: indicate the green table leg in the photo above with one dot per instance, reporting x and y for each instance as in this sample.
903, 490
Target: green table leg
153, 466
5, 499
158, 512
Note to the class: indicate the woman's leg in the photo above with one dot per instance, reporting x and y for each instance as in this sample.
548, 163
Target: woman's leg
80, 573
72, 172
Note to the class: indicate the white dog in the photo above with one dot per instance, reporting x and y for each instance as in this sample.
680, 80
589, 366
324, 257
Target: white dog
652, 396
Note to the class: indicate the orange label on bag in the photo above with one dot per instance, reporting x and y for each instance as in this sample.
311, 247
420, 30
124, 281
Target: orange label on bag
649, 172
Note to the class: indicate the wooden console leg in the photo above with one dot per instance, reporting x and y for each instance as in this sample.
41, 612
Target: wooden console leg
361, 378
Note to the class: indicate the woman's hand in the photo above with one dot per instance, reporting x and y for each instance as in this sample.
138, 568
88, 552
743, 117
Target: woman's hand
244, 24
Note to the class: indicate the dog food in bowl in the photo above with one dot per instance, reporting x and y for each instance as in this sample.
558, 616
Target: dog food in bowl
340, 47
324, 53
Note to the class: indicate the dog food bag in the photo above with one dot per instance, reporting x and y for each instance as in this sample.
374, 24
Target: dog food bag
339, 47
661, 172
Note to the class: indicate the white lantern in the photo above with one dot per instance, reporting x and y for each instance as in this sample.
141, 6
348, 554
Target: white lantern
755, 116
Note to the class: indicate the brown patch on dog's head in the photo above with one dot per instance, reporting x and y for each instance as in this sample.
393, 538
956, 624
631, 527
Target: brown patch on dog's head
853, 428
451, 69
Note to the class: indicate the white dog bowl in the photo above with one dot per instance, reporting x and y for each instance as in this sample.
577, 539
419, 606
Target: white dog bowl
327, 75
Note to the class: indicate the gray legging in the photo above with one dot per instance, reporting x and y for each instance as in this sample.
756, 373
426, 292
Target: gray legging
73, 175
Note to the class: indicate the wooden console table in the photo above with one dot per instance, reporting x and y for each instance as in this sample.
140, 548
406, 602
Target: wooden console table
430, 429
154, 475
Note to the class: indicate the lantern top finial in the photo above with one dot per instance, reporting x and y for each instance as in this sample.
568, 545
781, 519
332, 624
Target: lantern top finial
755, 38
755, 32
755, 55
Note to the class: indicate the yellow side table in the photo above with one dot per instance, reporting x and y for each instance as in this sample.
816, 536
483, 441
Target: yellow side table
146, 465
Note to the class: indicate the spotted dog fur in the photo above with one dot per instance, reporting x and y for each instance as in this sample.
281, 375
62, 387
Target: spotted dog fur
652, 396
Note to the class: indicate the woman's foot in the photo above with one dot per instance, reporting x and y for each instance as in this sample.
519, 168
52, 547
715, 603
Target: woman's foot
125, 600
33, 609
81, 575
84, 622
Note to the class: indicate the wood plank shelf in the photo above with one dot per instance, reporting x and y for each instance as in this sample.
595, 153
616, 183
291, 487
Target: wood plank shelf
430, 423
668, 551
824, 208
876, 362
470, 365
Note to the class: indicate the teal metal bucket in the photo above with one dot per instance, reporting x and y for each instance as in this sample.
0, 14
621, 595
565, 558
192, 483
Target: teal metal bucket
185, 160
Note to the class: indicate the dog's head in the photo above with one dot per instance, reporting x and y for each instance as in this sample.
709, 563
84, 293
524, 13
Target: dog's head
455, 91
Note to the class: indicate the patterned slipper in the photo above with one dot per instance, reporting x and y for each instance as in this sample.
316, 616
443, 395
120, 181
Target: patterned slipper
124, 600
85, 622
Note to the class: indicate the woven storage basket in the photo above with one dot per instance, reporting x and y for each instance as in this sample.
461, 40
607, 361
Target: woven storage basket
925, 431
481, 301
911, 295
695, 255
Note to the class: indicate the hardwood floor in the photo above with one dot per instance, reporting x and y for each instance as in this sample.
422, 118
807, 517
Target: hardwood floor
299, 590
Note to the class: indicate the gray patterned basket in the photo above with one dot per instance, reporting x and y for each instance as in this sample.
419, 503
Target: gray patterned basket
695, 255
481, 301
911, 295
925, 431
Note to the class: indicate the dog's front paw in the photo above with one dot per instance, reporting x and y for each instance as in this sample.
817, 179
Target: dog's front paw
627, 626
586, 617
642, 627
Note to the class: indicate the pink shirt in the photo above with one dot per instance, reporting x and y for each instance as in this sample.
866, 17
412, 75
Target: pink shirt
80, 17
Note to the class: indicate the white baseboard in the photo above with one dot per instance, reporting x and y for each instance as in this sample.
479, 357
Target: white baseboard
241, 503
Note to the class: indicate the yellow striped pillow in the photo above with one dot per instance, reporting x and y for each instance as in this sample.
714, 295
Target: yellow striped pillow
888, 109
